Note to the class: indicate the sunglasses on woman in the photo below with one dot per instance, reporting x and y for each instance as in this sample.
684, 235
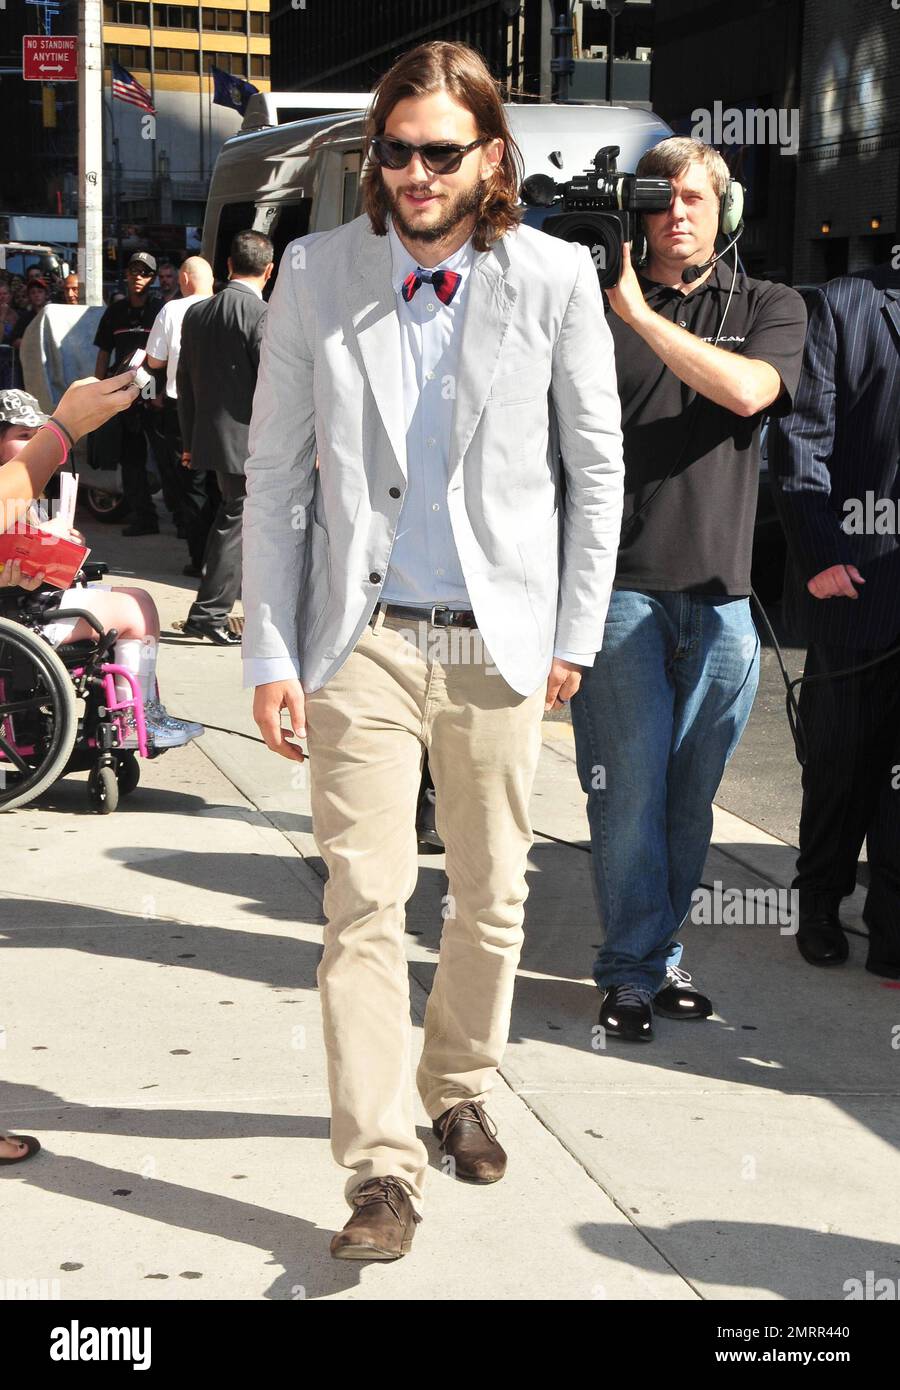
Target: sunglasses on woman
438, 157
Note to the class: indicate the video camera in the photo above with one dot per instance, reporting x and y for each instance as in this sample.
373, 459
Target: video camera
601, 208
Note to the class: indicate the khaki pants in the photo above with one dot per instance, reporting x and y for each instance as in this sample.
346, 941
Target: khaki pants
407, 687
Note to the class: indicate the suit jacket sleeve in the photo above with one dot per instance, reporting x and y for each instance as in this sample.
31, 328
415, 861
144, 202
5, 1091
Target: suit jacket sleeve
585, 399
185, 386
280, 477
254, 342
800, 449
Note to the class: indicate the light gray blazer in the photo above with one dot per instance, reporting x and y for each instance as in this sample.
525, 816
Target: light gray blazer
537, 542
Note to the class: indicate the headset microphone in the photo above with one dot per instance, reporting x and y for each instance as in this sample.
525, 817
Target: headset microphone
694, 272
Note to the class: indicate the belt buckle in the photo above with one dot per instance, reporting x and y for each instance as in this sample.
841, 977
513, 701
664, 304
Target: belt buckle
435, 607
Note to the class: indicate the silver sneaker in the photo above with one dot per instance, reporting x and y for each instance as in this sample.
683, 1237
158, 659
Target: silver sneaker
156, 713
163, 730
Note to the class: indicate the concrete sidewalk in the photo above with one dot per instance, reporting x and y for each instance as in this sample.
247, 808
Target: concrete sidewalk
162, 1038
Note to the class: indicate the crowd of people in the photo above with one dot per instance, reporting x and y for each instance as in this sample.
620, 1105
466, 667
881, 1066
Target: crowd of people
380, 438
21, 300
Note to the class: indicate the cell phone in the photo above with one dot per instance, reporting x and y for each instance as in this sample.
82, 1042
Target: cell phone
142, 379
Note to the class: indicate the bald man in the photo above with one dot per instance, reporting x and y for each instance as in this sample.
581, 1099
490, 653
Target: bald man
194, 494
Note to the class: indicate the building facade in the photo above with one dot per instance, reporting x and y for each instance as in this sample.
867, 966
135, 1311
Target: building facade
157, 172
848, 177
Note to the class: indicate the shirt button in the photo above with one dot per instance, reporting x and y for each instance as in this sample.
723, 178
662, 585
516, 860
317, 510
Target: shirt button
429, 440
435, 507
395, 492
375, 577
439, 571
430, 376
430, 308
682, 324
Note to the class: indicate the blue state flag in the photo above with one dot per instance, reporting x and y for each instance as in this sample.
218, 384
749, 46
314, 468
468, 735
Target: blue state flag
230, 90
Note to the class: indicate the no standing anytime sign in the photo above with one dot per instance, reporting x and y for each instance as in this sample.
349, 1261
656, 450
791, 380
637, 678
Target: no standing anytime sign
48, 59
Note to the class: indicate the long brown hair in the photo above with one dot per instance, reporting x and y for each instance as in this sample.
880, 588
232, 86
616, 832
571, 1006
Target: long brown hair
461, 72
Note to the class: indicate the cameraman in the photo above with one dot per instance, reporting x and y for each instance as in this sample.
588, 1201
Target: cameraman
699, 356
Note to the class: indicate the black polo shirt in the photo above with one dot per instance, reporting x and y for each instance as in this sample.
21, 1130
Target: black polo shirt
697, 532
125, 327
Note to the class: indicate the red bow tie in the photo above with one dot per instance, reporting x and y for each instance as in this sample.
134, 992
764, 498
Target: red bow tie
445, 282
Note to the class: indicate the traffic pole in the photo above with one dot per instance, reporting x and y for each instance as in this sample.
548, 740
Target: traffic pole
90, 150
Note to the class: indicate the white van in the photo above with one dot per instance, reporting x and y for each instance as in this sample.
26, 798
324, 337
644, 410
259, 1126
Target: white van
304, 176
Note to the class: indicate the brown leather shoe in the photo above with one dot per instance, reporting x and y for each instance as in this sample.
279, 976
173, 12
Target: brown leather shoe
465, 1137
382, 1226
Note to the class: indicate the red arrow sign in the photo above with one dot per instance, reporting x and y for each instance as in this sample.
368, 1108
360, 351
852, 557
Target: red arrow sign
49, 59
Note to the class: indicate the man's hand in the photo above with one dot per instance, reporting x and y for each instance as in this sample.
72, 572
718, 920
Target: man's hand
185, 459
562, 683
836, 582
627, 297
268, 702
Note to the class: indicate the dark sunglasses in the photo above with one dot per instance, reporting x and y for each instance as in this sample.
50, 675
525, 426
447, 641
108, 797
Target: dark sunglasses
439, 158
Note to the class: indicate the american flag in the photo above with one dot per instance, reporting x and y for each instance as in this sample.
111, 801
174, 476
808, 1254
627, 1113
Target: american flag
127, 88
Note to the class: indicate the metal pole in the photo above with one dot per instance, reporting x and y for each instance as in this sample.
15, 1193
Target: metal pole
90, 150
200, 88
153, 100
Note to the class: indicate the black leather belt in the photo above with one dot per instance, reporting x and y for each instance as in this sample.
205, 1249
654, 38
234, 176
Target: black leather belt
438, 615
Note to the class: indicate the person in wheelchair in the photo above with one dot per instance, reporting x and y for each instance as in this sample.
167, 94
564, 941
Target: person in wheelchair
131, 611
23, 477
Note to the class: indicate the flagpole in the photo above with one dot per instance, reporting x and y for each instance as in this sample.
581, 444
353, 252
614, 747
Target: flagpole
153, 104
200, 90
209, 92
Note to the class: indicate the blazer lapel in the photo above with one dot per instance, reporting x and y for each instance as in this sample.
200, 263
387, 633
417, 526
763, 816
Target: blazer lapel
892, 314
490, 297
373, 313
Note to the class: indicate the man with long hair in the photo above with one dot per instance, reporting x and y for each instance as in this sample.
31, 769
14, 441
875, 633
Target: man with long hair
435, 584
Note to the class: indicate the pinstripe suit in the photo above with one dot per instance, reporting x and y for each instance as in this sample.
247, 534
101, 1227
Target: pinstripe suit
841, 442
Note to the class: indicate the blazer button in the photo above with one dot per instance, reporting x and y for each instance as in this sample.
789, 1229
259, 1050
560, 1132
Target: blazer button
375, 578
395, 492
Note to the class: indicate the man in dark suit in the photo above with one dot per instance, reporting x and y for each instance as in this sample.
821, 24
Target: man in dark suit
220, 342
836, 466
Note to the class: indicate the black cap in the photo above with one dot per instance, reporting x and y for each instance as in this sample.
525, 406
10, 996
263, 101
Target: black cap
142, 258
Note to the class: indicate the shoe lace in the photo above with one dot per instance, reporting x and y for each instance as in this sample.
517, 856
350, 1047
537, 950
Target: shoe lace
389, 1190
630, 997
677, 976
468, 1110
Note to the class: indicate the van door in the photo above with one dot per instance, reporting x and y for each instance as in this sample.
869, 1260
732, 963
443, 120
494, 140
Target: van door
350, 170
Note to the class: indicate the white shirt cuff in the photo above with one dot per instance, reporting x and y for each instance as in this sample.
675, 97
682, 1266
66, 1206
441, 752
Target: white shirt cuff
259, 670
577, 658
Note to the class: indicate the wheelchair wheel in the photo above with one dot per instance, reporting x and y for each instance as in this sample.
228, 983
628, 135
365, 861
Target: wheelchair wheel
103, 789
128, 773
38, 715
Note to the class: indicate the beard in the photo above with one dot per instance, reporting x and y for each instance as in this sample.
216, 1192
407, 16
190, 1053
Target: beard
457, 208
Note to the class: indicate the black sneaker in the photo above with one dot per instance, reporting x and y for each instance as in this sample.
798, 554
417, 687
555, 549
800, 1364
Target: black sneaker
679, 999
625, 1013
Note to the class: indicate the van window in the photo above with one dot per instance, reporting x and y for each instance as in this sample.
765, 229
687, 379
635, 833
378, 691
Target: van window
350, 186
289, 220
234, 218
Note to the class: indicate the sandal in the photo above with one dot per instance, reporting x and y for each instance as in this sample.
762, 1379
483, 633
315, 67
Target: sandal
32, 1146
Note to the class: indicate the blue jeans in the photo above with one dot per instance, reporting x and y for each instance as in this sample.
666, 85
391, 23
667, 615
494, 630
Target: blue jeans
656, 719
